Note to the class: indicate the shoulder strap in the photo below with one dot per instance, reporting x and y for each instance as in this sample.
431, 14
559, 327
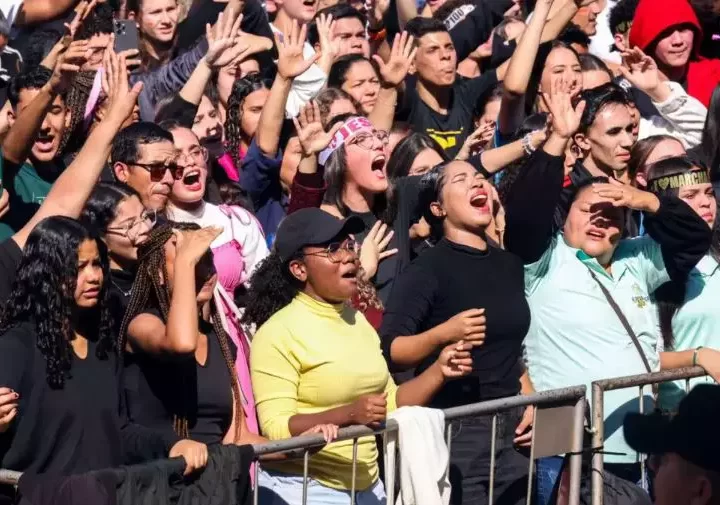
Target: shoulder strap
623, 320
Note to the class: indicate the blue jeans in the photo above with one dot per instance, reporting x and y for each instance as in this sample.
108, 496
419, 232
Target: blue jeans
278, 488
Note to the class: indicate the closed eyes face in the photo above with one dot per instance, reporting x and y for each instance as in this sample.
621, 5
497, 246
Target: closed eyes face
466, 198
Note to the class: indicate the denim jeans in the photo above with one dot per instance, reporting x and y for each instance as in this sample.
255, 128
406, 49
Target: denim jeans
470, 461
278, 488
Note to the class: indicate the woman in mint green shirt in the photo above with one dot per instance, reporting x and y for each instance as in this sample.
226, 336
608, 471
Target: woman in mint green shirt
687, 311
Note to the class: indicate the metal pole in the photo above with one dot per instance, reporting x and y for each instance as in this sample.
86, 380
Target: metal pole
531, 464
256, 491
576, 456
354, 470
306, 464
598, 437
492, 460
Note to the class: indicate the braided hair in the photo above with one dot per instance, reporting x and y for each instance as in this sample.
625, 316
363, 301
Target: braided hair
233, 129
149, 283
76, 101
43, 294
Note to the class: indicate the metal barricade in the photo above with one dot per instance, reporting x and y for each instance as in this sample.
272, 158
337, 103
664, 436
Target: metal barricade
569, 402
598, 413
572, 397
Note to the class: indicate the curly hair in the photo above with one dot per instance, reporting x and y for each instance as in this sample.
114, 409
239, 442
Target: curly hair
149, 288
43, 293
240, 91
271, 288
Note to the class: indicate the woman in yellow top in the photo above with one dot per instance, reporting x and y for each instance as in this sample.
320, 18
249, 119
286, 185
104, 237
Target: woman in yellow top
316, 360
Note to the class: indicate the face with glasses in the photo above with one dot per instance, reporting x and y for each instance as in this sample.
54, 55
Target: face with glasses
328, 271
128, 229
366, 156
152, 174
190, 178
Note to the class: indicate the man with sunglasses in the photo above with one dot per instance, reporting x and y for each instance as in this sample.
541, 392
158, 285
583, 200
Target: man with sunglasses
143, 156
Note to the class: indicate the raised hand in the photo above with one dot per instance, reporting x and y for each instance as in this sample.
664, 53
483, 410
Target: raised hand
329, 48
68, 64
642, 71
565, 118
121, 100
224, 40
479, 138
291, 61
369, 409
313, 138
393, 72
82, 11
191, 245
455, 360
8, 407
376, 10
373, 249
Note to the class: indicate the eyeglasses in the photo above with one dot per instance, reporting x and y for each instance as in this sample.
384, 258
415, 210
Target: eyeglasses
157, 170
195, 155
367, 140
335, 251
132, 229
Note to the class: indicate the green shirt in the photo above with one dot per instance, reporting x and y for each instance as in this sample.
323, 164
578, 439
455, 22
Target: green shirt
575, 337
28, 193
696, 324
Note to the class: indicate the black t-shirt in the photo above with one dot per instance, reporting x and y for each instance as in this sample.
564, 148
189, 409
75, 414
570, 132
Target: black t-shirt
451, 278
158, 388
10, 256
59, 431
449, 130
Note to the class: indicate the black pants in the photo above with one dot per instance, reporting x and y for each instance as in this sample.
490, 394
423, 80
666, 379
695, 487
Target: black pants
470, 461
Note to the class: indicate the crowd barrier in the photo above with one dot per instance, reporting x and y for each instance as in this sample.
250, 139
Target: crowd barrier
598, 413
559, 416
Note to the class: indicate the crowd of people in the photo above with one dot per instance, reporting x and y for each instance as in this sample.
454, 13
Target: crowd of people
235, 221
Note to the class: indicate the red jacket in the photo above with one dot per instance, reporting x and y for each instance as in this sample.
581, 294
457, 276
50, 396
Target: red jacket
653, 17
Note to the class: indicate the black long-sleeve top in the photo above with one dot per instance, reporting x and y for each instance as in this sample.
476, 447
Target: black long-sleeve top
451, 278
71, 430
538, 193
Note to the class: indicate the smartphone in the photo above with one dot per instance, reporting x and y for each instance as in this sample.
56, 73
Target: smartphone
126, 35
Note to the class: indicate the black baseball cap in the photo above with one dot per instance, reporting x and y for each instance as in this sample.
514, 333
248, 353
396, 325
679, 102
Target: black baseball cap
692, 432
312, 226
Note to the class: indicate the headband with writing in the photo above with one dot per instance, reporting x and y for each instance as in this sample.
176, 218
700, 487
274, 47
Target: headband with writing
349, 128
677, 181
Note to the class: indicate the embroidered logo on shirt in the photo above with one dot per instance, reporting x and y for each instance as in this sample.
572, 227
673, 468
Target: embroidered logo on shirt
447, 140
639, 299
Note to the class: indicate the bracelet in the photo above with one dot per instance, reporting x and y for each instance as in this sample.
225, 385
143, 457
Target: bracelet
527, 144
695, 355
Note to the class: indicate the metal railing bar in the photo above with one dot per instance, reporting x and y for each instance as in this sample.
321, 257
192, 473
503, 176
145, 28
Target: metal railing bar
491, 484
650, 378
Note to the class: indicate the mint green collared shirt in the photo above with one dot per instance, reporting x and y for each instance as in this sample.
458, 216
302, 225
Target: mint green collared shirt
696, 324
575, 337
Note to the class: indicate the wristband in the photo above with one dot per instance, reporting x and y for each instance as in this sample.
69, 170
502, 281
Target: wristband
695, 355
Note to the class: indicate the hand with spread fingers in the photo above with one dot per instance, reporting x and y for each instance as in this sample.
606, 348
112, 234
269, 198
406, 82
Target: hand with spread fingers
313, 137
291, 62
565, 117
120, 98
394, 71
329, 48
374, 249
224, 40
643, 73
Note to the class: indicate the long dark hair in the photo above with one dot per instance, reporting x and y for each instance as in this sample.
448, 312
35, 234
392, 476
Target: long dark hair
407, 150
535, 77
240, 91
671, 295
101, 208
339, 70
44, 293
149, 290
641, 151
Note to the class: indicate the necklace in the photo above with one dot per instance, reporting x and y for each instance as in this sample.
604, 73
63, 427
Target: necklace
126, 294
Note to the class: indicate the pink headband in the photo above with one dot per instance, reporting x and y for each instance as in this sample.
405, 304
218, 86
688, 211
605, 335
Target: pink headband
352, 126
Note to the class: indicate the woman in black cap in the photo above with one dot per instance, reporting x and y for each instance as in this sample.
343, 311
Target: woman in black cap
316, 360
